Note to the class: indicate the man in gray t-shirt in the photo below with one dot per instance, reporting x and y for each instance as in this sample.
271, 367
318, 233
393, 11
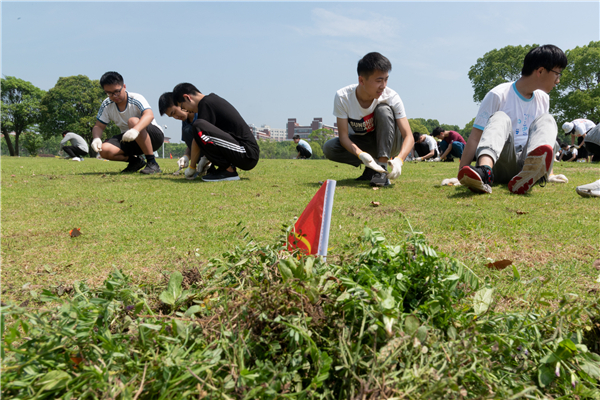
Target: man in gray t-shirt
78, 147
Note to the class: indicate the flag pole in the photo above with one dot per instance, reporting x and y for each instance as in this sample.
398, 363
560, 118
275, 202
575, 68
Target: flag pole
326, 222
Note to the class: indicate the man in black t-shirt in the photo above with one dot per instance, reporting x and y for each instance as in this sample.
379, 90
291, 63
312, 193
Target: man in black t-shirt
222, 135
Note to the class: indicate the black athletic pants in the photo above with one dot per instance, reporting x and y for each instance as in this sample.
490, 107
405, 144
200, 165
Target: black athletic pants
73, 151
303, 152
221, 148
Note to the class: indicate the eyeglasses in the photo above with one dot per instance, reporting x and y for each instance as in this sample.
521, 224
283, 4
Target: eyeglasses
115, 93
557, 73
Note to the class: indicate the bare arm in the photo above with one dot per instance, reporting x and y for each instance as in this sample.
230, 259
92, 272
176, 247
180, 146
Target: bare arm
428, 155
345, 141
195, 155
470, 148
145, 120
98, 129
408, 141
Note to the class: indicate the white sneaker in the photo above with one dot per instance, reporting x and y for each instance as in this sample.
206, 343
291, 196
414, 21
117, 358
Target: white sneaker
75, 159
589, 190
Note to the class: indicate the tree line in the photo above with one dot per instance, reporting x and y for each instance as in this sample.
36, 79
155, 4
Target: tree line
37, 116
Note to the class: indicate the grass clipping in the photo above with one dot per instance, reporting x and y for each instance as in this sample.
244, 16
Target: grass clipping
388, 321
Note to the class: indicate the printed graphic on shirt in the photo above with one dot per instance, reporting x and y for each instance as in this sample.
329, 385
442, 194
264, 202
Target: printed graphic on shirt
363, 125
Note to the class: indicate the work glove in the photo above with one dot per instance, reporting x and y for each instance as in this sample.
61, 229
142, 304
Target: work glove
451, 182
203, 165
190, 173
418, 159
130, 135
183, 162
396, 167
369, 162
558, 179
97, 145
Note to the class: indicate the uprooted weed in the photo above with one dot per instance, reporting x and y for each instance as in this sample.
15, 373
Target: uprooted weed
387, 321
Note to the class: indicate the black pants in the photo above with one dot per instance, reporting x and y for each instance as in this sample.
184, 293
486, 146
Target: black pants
422, 149
303, 152
73, 151
221, 148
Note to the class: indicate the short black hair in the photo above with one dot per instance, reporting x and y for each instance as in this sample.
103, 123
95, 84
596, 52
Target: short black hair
564, 146
164, 102
64, 133
547, 56
181, 89
373, 62
296, 137
416, 136
111, 78
437, 131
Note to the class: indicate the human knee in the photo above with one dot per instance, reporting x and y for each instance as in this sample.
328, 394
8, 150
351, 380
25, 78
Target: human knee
202, 124
328, 148
131, 122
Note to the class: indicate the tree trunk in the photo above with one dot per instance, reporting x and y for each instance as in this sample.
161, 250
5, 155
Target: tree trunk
17, 144
11, 149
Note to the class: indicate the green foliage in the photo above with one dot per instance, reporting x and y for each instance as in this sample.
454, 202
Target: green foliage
417, 126
175, 149
20, 109
466, 131
261, 322
72, 104
272, 149
578, 93
496, 67
320, 136
317, 151
32, 142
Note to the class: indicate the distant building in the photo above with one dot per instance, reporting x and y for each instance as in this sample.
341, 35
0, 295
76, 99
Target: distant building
265, 132
293, 128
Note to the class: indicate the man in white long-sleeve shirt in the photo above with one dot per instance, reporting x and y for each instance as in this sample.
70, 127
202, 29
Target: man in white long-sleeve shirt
78, 147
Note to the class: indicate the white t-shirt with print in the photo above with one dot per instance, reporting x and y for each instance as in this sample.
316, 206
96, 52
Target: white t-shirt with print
520, 110
136, 105
305, 144
360, 120
582, 125
431, 142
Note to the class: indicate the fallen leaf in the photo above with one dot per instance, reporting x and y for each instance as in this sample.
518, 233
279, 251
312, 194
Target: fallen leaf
499, 265
375, 188
121, 201
375, 203
13, 176
597, 264
75, 232
521, 212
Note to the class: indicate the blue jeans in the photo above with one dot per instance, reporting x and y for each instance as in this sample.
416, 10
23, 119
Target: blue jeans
457, 148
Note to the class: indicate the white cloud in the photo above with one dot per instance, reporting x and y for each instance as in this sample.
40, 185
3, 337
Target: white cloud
370, 26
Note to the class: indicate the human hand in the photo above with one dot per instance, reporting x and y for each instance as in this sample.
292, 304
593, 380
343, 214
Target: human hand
396, 166
191, 173
97, 145
367, 159
418, 159
560, 178
130, 135
183, 162
203, 165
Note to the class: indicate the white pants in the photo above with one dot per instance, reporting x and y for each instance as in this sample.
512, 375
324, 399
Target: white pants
497, 141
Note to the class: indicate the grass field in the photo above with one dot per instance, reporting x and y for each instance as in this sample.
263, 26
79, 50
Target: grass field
149, 224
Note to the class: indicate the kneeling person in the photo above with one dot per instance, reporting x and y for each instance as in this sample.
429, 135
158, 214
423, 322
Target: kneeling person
303, 148
221, 134
140, 134
78, 147
425, 146
372, 124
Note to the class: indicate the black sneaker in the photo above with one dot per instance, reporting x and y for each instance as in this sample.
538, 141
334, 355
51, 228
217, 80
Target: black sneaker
221, 175
135, 164
477, 179
366, 175
151, 168
380, 178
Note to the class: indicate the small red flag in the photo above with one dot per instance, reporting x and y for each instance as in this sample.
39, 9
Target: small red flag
171, 155
311, 231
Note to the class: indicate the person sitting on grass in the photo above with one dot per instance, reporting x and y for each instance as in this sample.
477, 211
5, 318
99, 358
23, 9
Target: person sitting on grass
567, 153
78, 147
514, 136
592, 143
166, 106
221, 134
579, 128
140, 134
425, 146
452, 143
372, 124
303, 148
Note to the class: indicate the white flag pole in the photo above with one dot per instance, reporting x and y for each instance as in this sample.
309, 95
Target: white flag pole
326, 222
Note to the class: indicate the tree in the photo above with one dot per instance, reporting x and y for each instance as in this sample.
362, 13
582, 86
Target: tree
320, 136
32, 142
317, 151
496, 67
72, 104
20, 109
417, 126
466, 131
578, 93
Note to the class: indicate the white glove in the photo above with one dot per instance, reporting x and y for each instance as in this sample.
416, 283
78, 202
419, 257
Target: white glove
183, 162
418, 159
396, 166
369, 162
203, 164
130, 135
558, 179
191, 173
97, 145
451, 182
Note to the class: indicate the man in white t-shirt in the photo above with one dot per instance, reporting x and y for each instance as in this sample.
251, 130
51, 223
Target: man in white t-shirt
592, 143
140, 134
579, 128
514, 137
303, 148
372, 124
426, 147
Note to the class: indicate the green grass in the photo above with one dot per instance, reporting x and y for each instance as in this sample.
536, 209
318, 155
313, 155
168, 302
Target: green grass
148, 224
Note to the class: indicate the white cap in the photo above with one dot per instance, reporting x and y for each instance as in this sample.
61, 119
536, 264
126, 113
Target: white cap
568, 127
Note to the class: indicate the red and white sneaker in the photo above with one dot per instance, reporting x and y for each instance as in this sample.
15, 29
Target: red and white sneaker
537, 164
477, 179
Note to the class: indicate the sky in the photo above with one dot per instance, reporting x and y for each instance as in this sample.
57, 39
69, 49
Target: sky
280, 60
